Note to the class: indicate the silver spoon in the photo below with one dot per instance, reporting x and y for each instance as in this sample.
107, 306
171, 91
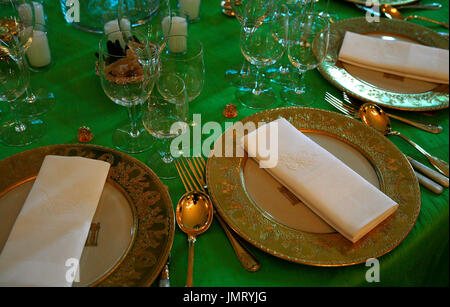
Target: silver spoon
374, 116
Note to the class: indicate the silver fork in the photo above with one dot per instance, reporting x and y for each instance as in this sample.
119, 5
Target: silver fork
341, 106
192, 174
415, 123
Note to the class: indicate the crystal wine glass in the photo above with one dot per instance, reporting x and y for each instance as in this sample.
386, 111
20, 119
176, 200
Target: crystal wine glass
183, 56
263, 23
307, 48
127, 72
14, 81
243, 75
164, 116
155, 26
283, 73
22, 12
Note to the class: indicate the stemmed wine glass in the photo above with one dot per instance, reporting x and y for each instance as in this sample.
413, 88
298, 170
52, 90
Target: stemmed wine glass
127, 72
307, 48
183, 56
164, 116
14, 81
283, 73
158, 22
263, 23
240, 77
38, 101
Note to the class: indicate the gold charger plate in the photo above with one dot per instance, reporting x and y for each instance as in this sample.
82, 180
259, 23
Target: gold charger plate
135, 213
384, 89
227, 186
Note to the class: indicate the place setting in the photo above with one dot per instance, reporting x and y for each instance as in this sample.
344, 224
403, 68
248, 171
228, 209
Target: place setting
313, 176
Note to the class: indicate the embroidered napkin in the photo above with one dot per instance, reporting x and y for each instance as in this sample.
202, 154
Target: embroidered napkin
54, 222
396, 57
341, 197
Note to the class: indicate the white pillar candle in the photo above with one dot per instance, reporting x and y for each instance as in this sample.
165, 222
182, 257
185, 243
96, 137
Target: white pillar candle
39, 52
179, 27
112, 29
25, 13
191, 8
39, 15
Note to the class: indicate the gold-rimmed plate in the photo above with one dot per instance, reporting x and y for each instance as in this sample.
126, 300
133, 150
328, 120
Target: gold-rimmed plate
135, 215
258, 209
384, 89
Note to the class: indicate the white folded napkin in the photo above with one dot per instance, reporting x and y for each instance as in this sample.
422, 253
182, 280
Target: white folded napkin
341, 197
54, 222
396, 57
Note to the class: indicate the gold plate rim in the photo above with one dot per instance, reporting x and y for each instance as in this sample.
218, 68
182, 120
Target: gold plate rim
121, 273
366, 92
223, 191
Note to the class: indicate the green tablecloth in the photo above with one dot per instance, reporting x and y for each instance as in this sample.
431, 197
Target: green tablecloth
420, 260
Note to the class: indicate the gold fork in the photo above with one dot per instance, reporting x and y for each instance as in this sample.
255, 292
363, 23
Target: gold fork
192, 174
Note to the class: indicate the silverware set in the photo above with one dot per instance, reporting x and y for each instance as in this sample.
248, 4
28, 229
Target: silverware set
373, 116
192, 172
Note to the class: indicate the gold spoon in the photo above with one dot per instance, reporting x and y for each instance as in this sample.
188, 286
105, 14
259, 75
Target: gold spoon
373, 116
393, 13
194, 216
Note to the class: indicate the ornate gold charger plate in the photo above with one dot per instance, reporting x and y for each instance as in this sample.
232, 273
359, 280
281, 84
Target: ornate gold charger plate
381, 2
376, 87
237, 202
135, 215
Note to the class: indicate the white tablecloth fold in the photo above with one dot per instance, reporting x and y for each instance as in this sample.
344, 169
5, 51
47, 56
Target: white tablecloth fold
341, 197
51, 229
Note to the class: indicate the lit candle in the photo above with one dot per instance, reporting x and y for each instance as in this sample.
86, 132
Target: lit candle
190, 8
179, 27
112, 29
39, 52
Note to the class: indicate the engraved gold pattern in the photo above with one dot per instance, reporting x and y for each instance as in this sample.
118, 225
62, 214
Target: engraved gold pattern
153, 211
396, 177
332, 69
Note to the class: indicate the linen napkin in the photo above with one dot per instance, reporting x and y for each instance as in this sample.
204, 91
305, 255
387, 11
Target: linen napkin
54, 222
396, 57
332, 190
